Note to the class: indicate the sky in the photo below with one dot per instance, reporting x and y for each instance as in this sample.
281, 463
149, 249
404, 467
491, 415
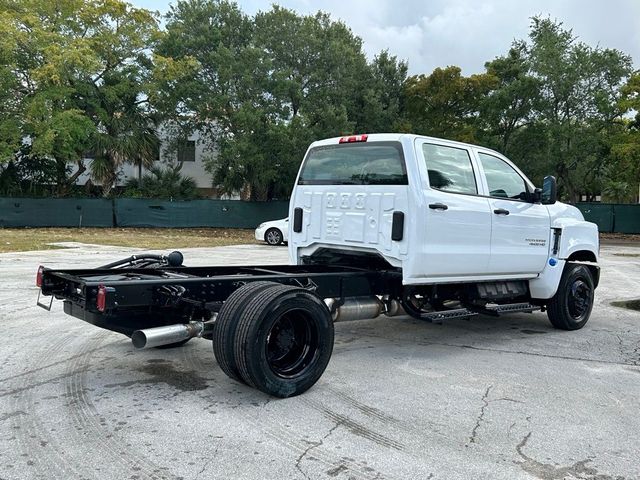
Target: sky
467, 33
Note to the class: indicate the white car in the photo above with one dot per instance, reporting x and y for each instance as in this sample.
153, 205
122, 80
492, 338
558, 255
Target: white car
274, 232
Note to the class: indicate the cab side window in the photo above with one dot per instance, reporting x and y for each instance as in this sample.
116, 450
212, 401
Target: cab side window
449, 169
502, 179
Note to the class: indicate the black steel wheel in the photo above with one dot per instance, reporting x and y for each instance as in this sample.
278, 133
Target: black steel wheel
284, 340
224, 329
570, 308
291, 344
273, 236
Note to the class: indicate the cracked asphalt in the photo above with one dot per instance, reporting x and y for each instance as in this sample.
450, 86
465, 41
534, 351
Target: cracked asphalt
491, 398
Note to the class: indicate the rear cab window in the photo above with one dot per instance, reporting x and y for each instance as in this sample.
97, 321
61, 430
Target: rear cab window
375, 163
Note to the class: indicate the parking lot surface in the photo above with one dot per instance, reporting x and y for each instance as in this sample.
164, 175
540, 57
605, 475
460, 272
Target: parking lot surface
490, 398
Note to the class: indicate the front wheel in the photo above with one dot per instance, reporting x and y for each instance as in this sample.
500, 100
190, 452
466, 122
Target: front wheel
570, 308
273, 236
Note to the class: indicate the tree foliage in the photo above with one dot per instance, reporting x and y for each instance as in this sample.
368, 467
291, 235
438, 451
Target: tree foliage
163, 182
78, 72
99, 78
267, 86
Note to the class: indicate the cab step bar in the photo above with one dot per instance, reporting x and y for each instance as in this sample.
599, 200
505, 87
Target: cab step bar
498, 310
439, 317
495, 311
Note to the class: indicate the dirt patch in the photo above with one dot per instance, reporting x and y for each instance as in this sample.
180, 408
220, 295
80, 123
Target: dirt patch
24, 239
628, 239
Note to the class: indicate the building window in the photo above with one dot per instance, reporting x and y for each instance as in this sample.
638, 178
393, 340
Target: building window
187, 151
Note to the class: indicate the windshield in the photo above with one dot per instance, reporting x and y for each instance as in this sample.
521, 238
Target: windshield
379, 163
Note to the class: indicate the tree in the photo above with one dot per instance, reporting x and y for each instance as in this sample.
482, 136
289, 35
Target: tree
379, 95
445, 103
82, 70
511, 105
265, 87
163, 182
625, 144
579, 102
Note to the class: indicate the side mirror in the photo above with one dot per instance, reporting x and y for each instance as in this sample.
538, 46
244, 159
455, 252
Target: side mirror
549, 190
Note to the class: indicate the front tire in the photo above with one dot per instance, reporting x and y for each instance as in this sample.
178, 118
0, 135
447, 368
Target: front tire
570, 308
273, 236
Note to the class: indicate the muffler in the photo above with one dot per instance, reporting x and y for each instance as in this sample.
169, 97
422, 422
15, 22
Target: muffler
158, 336
361, 308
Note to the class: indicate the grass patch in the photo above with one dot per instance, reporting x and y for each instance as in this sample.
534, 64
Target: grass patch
24, 239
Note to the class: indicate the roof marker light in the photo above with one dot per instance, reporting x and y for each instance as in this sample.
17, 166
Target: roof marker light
354, 138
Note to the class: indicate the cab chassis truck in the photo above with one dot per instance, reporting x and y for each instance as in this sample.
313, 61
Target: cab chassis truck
381, 224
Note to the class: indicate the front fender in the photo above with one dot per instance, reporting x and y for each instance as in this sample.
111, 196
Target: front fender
577, 236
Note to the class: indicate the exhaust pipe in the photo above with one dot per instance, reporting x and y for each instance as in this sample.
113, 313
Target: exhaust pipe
361, 308
158, 336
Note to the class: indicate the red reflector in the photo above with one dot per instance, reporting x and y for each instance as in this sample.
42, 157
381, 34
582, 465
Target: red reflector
101, 298
39, 276
354, 138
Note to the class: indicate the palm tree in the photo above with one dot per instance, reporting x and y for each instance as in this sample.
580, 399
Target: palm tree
164, 183
127, 133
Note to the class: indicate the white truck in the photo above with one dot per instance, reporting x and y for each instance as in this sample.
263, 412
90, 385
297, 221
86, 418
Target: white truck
380, 224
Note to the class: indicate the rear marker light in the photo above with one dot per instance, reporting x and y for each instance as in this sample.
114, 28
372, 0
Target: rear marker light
101, 298
354, 138
39, 276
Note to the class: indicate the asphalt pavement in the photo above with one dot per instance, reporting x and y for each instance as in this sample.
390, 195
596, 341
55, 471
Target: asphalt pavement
490, 398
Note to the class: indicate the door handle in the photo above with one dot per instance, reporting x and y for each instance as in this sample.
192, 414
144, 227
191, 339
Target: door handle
438, 206
501, 211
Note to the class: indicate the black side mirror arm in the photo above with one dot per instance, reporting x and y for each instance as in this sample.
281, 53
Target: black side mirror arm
536, 196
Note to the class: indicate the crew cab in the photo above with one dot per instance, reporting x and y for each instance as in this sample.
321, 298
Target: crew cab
461, 222
380, 224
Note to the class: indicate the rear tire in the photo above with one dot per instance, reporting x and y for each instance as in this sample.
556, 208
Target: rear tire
284, 340
570, 308
273, 237
224, 329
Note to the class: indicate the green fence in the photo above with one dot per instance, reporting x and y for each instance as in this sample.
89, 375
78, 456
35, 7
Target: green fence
56, 212
612, 217
137, 212
626, 218
130, 212
134, 212
599, 213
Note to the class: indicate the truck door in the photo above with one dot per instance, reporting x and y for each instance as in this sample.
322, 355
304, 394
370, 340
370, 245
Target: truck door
520, 230
454, 224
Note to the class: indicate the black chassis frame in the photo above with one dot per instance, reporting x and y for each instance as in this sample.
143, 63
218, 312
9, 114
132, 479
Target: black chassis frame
140, 298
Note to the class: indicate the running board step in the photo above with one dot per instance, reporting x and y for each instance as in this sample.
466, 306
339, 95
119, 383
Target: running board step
509, 308
438, 317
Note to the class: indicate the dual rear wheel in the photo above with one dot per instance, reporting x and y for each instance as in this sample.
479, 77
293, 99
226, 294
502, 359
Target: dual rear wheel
276, 338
